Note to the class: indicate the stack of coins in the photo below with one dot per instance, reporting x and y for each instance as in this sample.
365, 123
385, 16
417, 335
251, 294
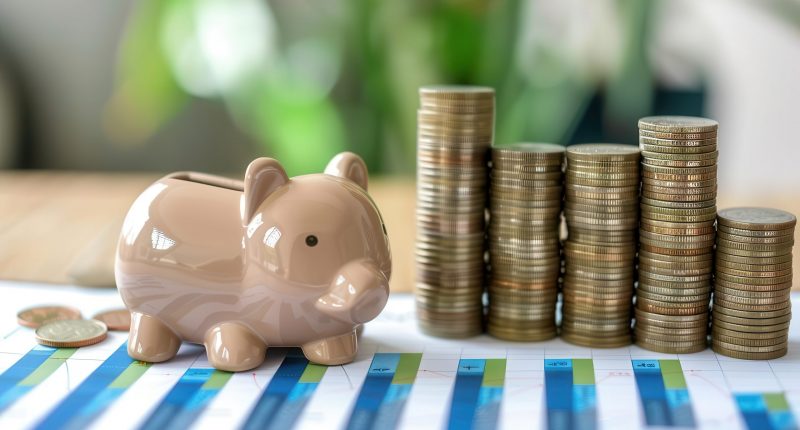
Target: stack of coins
678, 210
601, 209
454, 134
524, 255
752, 280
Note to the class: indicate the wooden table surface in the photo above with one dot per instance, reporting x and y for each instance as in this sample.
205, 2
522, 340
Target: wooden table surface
62, 227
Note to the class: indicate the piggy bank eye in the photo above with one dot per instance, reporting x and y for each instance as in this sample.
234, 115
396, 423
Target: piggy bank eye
311, 240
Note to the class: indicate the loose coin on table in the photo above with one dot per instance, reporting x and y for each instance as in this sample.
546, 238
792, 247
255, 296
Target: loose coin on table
115, 319
37, 316
71, 333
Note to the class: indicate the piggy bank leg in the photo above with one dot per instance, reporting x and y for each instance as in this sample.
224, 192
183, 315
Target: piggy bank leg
150, 340
234, 347
333, 350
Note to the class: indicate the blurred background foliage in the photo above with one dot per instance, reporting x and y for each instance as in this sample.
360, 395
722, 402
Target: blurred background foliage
309, 79
210, 84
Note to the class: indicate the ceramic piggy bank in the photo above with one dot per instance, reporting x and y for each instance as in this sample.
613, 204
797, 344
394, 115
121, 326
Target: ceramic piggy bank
242, 266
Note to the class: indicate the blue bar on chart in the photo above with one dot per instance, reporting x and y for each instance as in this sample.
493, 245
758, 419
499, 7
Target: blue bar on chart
383, 395
187, 399
477, 394
570, 394
663, 393
765, 411
104, 385
30, 370
287, 394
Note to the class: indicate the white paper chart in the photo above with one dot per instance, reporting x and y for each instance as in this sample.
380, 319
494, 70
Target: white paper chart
401, 379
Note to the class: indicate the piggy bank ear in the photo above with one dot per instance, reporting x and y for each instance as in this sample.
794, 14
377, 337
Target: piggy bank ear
350, 166
263, 177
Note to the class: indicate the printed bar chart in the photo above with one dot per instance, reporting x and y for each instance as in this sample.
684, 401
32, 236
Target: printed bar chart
287, 394
187, 399
96, 393
663, 393
477, 394
765, 411
33, 368
386, 388
570, 394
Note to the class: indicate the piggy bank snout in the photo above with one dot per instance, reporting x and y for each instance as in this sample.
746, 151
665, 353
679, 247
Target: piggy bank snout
358, 293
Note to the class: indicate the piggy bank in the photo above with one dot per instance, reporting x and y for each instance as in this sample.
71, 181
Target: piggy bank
239, 266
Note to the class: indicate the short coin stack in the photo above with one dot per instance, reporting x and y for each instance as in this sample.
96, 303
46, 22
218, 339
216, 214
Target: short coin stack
752, 280
678, 210
601, 209
525, 216
454, 134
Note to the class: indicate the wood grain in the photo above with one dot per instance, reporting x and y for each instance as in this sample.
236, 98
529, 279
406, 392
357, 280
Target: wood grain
62, 227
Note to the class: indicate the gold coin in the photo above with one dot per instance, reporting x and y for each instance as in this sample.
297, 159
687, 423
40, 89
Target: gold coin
751, 328
754, 274
651, 156
744, 348
679, 203
674, 143
71, 333
659, 308
744, 355
757, 233
722, 264
677, 136
37, 316
754, 218
115, 319
744, 246
721, 308
749, 342
780, 259
529, 151
670, 347
664, 149
657, 162
602, 151
723, 249
770, 240
678, 124
717, 331
595, 341
719, 316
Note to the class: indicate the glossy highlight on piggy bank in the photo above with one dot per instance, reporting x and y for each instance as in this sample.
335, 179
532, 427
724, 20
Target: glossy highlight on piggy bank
240, 266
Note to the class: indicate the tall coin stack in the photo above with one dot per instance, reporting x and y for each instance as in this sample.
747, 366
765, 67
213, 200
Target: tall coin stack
601, 209
678, 210
524, 217
454, 133
753, 277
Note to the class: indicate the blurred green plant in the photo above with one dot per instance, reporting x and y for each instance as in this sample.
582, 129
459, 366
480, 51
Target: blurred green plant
309, 79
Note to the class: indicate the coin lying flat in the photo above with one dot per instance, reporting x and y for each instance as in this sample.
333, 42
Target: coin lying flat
115, 319
37, 316
752, 218
71, 333
678, 124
